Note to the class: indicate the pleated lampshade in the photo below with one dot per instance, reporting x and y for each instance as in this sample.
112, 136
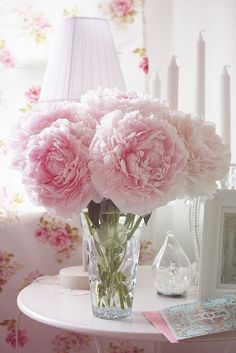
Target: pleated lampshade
83, 57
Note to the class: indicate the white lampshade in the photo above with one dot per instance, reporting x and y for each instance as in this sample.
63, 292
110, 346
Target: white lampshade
83, 57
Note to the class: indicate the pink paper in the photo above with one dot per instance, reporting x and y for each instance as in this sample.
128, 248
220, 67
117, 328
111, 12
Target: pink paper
155, 318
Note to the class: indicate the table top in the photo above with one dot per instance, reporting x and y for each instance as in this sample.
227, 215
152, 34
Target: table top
71, 310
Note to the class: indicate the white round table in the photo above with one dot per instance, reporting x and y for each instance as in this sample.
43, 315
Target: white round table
71, 311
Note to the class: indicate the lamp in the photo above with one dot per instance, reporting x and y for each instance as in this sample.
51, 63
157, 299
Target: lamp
83, 57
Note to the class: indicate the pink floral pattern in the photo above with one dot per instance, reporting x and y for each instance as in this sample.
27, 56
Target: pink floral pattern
6, 58
32, 97
59, 235
123, 347
10, 201
10, 338
32, 94
34, 23
31, 277
74, 11
143, 63
147, 252
70, 342
8, 268
121, 11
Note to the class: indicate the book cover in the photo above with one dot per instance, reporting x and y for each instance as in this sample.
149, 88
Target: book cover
202, 317
195, 319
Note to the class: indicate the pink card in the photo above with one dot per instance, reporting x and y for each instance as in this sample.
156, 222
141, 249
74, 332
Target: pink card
156, 319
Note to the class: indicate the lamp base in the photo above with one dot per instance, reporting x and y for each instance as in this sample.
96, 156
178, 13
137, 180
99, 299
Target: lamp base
74, 277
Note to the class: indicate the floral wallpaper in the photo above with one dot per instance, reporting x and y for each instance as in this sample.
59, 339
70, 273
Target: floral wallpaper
62, 237
8, 267
70, 342
10, 331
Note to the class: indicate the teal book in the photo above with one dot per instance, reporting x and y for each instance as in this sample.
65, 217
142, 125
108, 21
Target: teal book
213, 315
202, 317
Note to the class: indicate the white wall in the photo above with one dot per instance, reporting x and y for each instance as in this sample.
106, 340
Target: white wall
159, 36
172, 28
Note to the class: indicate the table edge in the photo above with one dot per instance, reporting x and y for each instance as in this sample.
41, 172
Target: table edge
152, 336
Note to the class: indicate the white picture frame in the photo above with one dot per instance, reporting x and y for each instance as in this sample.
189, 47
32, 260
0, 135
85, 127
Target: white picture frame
217, 270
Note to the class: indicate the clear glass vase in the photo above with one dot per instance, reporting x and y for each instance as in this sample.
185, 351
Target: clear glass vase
171, 269
112, 243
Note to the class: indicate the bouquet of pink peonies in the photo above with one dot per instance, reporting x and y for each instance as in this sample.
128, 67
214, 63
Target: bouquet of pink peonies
119, 146
116, 157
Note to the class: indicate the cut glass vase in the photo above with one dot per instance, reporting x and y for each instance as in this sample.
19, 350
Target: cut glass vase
112, 245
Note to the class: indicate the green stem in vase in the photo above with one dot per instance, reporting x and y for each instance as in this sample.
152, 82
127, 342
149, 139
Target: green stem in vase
111, 253
135, 227
111, 232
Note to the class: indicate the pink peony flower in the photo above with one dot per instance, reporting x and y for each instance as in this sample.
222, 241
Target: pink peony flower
138, 161
144, 64
60, 239
34, 122
208, 159
33, 94
100, 102
11, 338
56, 172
